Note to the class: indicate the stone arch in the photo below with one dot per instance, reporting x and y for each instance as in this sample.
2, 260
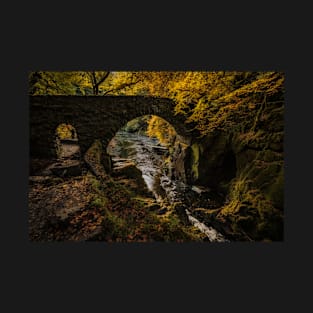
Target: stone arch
67, 142
94, 117
177, 135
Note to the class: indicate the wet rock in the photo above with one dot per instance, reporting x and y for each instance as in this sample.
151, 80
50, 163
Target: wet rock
46, 172
106, 162
38, 179
63, 213
212, 234
162, 211
200, 189
124, 167
66, 168
69, 141
153, 207
127, 169
180, 209
69, 149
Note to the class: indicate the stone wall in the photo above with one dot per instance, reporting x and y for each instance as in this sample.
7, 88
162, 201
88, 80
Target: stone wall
94, 117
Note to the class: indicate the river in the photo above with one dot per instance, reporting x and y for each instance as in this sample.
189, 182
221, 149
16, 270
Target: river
149, 154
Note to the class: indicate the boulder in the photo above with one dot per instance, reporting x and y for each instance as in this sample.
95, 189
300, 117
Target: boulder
66, 168
39, 179
162, 211
153, 207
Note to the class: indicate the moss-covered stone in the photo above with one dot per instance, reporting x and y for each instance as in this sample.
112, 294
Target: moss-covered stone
254, 204
195, 160
275, 191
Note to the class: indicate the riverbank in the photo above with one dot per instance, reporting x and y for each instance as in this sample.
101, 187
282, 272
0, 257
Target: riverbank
150, 157
91, 208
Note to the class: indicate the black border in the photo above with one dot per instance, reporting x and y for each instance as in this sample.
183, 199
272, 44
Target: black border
250, 276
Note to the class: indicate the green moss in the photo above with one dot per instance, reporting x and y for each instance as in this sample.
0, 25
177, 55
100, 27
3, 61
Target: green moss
95, 151
269, 156
250, 212
132, 126
275, 192
246, 223
171, 229
114, 226
99, 202
195, 160
95, 183
264, 177
271, 229
254, 200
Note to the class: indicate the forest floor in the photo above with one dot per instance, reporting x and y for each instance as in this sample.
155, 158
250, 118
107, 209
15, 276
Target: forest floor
86, 208
57, 209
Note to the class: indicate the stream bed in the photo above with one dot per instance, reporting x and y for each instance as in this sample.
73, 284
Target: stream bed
149, 154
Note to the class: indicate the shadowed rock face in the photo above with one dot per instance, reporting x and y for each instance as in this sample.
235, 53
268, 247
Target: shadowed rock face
211, 160
94, 117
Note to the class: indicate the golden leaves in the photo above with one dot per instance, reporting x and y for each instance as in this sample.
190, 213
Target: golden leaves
160, 129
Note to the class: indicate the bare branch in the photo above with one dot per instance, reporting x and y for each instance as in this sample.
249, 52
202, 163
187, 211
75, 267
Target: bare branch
103, 78
122, 86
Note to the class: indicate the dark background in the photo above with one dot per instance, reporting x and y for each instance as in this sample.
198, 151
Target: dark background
162, 277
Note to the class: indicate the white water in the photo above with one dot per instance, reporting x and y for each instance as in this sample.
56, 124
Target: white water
211, 233
147, 155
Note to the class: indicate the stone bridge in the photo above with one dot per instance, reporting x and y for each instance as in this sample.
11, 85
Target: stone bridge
94, 117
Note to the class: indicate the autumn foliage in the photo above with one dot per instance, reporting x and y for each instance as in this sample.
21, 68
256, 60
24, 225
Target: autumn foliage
244, 106
208, 100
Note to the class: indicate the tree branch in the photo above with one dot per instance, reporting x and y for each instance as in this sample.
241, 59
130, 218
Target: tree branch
125, 85
103, 78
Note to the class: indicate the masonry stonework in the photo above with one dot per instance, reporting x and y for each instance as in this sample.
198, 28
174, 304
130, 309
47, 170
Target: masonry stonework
94, 117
